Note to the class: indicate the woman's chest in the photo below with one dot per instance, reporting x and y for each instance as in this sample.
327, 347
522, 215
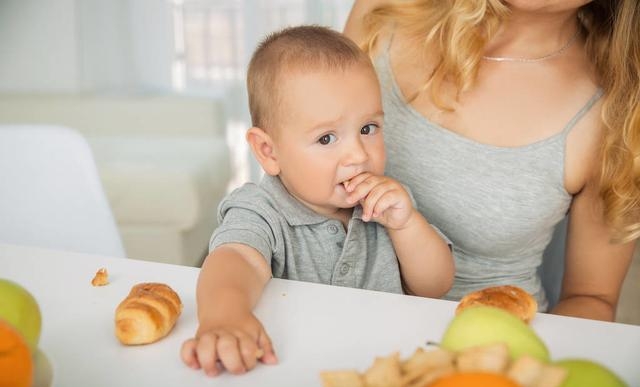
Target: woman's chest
506, 105
510, 108
478, 195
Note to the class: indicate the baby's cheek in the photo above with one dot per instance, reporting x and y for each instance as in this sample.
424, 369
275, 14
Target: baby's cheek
378, 167
379, 159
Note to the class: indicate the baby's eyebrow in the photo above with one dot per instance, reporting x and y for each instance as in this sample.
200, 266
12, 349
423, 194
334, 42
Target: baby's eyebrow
375, 116
324, 125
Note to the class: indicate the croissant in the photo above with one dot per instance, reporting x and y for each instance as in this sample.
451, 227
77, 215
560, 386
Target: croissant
147, 314
508, 297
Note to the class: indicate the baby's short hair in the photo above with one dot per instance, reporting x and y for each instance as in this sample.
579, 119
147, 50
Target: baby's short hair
294, 49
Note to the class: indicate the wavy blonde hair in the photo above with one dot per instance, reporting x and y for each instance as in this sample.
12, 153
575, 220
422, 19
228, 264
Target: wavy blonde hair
456, 31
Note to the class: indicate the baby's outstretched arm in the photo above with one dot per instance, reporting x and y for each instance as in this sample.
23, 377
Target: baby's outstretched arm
229, 286
426, 262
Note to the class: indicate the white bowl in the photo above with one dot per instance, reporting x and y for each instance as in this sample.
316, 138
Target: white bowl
43, 376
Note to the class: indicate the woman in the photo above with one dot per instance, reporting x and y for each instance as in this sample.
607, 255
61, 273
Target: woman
502, 116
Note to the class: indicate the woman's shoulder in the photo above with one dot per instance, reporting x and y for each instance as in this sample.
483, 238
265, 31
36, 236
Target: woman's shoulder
354, 28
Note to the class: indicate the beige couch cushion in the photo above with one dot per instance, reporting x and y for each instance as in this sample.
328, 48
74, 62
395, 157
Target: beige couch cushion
98, 114
162, 181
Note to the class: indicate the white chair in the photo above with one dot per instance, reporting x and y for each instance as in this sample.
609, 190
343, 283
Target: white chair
50, 192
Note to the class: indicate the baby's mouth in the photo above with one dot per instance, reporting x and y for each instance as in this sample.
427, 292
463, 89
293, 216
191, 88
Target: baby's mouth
344, 184
342, 187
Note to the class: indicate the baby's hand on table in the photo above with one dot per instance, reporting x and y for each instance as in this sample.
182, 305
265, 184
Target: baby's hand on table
382, 198
236, 347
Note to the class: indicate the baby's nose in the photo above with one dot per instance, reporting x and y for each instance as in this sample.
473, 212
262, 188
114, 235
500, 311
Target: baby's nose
356, 154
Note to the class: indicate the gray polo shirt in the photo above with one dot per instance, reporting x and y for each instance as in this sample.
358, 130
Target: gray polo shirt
300, 244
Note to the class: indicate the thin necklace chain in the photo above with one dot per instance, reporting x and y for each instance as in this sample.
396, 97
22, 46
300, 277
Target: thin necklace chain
538, 59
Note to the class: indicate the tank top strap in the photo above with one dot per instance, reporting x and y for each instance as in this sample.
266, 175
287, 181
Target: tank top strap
387, 43
582, 111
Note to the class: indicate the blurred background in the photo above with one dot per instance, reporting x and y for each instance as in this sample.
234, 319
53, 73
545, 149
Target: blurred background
146, 47
157, 88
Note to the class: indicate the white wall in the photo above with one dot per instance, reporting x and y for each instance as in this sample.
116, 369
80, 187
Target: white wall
38, 45
84, 46
151, 43
103, 44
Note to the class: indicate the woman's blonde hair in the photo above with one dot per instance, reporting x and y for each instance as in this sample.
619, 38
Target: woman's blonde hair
456, 31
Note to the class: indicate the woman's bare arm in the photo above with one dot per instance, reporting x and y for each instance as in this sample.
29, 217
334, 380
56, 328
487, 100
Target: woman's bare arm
594, 267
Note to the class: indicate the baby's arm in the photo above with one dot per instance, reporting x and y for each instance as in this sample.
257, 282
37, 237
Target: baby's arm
426, 262
230, 284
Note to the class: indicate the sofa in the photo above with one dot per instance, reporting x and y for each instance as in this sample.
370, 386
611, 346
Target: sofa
163, 161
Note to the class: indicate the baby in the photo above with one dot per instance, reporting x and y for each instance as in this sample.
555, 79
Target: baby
324, 212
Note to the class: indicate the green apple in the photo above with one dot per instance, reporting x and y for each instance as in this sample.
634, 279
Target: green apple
482, 325
19, 308
587, 373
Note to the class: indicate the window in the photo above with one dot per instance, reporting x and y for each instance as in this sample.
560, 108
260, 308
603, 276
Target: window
213, 43
214, 39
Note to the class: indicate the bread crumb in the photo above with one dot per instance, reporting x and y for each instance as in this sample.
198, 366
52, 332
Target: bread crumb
101, 278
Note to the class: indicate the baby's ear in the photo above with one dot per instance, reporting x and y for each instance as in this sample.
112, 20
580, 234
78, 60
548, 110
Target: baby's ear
262, 147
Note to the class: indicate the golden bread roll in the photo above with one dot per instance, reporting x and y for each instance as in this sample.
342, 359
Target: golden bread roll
510, 298
101, 278
147, 314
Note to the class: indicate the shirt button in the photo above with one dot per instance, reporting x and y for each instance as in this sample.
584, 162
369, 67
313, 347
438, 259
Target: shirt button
344, 268
333, 229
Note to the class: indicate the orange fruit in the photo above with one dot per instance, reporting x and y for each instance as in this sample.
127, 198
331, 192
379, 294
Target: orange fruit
16, 363
474, 379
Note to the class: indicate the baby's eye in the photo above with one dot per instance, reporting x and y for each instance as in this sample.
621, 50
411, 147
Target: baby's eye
369, 129
327, 139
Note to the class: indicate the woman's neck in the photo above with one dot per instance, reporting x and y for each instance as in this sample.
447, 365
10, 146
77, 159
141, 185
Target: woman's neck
527, 35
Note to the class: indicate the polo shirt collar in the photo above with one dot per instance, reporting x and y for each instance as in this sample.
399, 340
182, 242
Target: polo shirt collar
294, 212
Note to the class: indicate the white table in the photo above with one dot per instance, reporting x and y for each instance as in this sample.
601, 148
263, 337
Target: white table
313, 327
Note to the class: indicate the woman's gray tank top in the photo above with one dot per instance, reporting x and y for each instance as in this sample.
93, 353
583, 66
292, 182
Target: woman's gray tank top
498, 205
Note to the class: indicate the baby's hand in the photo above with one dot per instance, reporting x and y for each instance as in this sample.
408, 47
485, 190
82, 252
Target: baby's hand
236, 347
383, 199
